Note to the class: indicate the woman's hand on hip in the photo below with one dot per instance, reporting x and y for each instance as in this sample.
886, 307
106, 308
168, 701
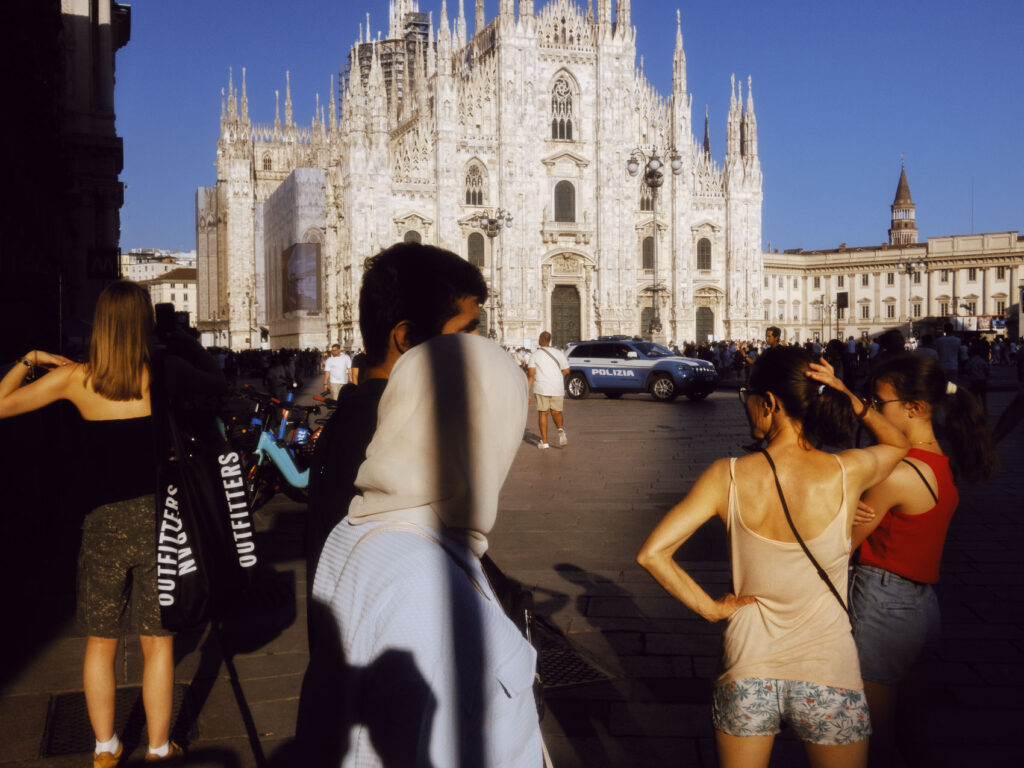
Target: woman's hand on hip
728, 604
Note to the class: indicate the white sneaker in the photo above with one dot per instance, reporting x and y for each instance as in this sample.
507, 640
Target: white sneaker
562, 439
542, 446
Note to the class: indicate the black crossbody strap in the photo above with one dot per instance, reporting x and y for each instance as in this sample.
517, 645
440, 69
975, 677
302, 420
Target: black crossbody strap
789, 519
921, 475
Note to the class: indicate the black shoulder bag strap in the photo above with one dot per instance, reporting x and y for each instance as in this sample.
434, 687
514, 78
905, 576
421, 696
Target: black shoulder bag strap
789, 519
923, 480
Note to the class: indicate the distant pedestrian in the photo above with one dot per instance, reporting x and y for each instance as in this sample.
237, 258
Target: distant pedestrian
546, 374
336, 371
948, 349
978, 370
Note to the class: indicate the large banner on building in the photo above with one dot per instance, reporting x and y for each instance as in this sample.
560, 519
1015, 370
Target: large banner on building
300, 278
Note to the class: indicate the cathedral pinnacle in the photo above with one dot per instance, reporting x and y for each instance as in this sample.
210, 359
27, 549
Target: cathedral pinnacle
277, 111
232, 103
679, 59
480, 18
245, 100
622, 20
288, 98
460, 27
707, 133
332, 128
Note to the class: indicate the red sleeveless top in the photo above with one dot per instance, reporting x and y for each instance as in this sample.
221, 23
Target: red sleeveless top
911, 545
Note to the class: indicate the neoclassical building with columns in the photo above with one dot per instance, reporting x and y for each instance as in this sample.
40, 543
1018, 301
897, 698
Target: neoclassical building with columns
535, 114
975, 281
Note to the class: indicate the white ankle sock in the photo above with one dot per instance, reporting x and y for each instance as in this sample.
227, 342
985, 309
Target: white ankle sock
161, 751
108, 746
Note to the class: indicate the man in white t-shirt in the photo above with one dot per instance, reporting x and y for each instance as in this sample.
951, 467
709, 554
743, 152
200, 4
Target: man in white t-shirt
336, 369
546, 373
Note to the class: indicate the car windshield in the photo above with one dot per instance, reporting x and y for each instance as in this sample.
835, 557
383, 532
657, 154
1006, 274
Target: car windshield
652, 350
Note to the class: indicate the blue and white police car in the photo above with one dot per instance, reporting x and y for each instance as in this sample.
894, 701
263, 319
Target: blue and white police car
616, 365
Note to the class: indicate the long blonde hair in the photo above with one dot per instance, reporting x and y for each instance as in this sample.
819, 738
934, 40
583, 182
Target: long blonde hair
119, 351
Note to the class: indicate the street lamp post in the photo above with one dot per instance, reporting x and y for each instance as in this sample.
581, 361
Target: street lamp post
492, 226
911, 268
654, 177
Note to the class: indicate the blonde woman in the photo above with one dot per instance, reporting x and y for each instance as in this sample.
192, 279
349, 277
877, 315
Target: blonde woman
117, 563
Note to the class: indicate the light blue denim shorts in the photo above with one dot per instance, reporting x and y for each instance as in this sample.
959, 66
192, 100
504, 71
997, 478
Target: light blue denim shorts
895, 622
819, 714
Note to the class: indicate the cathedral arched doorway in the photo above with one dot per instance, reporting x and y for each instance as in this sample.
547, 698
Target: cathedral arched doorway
565, 315
705, 324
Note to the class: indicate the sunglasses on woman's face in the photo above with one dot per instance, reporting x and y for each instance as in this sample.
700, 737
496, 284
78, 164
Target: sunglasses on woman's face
746, 392
878, 403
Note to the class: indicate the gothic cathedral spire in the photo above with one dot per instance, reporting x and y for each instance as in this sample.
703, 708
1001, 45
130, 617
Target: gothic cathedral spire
678, 59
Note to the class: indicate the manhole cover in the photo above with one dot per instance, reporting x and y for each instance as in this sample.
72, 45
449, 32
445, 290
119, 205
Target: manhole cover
68, 731
558, 663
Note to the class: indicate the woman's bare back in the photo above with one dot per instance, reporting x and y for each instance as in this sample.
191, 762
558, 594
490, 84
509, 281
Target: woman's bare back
811, 480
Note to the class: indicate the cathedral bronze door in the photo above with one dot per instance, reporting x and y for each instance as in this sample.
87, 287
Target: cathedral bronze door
565, 315
705, 324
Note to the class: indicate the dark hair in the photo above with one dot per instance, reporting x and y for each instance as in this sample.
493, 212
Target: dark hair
892, 342
775, 331
920, 378
825, 417
416, 283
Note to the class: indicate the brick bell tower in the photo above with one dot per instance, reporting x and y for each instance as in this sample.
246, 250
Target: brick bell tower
903, 228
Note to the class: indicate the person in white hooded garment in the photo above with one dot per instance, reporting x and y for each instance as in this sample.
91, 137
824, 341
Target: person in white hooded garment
434, 673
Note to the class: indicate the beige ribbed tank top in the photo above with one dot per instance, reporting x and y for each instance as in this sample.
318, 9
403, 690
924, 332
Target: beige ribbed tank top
796, 630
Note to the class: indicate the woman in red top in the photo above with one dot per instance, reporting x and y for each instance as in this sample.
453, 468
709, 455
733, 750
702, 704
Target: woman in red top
894, 611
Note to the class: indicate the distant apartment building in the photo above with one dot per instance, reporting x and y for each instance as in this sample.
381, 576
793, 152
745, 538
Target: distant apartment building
141, 264
175, 286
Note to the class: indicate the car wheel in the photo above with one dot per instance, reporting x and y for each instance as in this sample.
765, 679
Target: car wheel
697, 395
663, 388
613, 395
576, 386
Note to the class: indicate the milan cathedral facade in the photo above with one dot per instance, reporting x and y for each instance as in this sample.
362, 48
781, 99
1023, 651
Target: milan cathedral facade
534, 116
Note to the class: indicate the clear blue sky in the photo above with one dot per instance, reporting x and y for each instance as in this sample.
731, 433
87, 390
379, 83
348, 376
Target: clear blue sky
841, 89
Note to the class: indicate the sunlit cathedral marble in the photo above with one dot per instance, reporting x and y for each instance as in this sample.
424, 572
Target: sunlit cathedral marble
536, 115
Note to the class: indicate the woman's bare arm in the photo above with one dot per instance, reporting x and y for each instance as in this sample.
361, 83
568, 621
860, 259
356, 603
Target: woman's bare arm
708, 497
868, 466
16, 399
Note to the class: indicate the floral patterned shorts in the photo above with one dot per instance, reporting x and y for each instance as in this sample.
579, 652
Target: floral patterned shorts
819, 714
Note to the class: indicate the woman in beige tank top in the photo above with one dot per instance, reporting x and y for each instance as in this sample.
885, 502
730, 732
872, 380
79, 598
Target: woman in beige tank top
788, 652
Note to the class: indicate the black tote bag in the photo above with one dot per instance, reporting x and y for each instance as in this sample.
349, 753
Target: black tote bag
206, 546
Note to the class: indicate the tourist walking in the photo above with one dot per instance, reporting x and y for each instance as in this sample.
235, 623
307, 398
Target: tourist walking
545, 374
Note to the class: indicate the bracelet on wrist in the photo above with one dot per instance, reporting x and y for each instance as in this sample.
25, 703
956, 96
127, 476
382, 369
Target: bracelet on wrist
26, 362
864, 408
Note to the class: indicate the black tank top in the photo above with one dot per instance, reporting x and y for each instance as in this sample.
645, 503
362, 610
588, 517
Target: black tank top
119, 459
